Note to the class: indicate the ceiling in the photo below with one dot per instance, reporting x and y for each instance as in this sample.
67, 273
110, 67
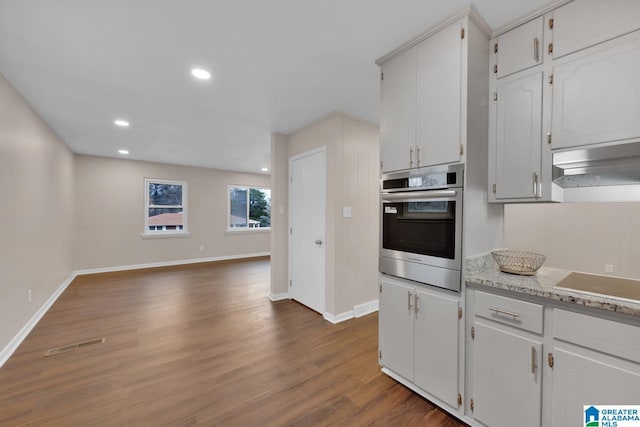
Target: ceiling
276, 66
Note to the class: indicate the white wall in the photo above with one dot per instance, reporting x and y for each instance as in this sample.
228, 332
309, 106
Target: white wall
36, 236
578, 236
110, 214
352, 180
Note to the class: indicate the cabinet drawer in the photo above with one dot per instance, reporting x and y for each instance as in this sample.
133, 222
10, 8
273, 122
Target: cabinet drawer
510, 311
608, 336
520, 48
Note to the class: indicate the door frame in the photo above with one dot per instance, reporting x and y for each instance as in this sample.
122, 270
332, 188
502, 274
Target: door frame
320, 150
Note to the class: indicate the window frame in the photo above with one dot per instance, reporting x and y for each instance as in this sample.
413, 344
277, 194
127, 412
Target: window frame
147, 233
246, 229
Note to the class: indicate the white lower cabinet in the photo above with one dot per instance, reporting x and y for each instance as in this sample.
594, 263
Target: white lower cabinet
419, 337
584, 359
396, 328
506, 366
507, 386
436, 345
583, 378
595, 362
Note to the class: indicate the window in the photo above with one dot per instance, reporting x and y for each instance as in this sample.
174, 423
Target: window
249, 208
165, 207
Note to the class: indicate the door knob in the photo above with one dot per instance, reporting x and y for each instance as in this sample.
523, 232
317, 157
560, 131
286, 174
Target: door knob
318, 242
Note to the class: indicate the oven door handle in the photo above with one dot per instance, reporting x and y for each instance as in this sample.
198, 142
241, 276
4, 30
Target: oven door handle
416, 196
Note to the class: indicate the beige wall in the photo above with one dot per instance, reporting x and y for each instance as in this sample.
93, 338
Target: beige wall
110, 214
279, 214
36, 237
352, 180
581, 236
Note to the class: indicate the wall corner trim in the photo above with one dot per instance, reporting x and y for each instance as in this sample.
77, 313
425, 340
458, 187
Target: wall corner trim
13, 345
279, 297
359, 310
338, 318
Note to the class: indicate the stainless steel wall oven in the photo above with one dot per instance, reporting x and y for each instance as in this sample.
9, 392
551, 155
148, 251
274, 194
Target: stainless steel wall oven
422, 225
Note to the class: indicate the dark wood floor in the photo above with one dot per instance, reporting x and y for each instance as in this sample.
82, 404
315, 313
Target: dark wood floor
201, 345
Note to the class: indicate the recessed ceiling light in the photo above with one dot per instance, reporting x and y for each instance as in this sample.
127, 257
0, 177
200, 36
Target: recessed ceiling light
265, 169
201, 74
121, 123
125, 152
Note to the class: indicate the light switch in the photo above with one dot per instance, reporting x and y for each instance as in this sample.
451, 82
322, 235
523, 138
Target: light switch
346, 211
281, 210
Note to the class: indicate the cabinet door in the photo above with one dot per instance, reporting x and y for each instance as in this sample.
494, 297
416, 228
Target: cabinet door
506, 378
595, 98
518, 139
396, 328
439, 97
436, 345
520, 48
580, 380
584, 23
398, 112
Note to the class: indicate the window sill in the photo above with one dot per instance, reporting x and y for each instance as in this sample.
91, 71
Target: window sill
165, 234
230, 231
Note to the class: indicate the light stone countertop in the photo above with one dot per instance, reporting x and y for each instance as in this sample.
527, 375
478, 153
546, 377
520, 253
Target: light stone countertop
483, 270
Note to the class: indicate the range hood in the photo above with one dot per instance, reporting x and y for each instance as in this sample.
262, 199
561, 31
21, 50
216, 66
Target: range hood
598, 166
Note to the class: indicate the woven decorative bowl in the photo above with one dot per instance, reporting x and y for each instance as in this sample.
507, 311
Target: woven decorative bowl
518, 262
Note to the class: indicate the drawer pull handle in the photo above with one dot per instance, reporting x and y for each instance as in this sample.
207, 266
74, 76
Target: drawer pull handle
508, 313
533, 360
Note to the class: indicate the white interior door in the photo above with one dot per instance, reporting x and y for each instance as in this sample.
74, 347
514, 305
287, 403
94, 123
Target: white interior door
307, 229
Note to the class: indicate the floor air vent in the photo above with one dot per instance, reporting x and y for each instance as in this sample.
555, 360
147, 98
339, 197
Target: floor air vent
73, 347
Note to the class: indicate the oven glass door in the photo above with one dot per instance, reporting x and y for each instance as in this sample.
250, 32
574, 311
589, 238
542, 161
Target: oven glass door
422, 227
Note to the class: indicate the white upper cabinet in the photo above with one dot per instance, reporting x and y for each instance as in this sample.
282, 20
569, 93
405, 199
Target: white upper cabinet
398, 112
516, 157
596, 97
519, 49
439, 97
563, 80
584, 23
429, 87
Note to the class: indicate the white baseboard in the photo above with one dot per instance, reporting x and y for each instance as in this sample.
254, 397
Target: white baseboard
13, 345
170, 263
366, 308
339, 318
279, 297
358, 311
